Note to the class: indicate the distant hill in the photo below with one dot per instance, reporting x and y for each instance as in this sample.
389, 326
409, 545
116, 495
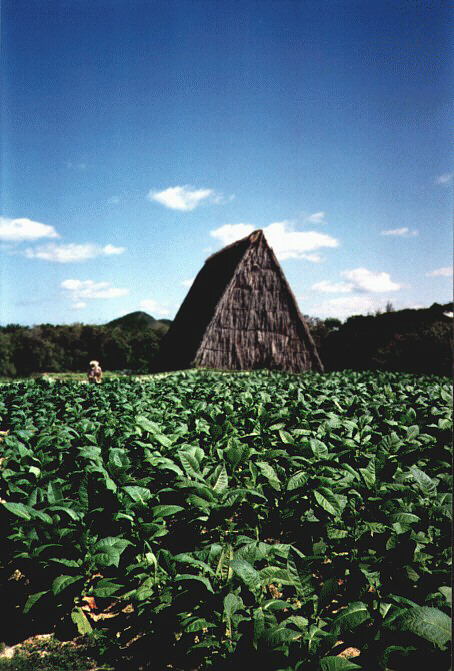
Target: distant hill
136, 321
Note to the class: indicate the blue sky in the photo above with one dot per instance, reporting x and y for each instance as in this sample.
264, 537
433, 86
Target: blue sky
140, 137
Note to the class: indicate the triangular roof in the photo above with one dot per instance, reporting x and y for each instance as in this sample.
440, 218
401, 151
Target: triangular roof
240, 313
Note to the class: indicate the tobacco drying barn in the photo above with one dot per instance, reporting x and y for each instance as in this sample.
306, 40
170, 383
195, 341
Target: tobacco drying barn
240, 314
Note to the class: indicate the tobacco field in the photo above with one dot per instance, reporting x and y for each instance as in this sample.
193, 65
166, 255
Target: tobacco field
206, 520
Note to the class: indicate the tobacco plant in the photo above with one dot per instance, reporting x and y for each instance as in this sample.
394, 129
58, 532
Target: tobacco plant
204, 519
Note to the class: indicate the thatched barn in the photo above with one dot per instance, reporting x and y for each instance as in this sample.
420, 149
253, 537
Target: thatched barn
240, 314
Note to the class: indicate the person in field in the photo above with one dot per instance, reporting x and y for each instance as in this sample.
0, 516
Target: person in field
94, 372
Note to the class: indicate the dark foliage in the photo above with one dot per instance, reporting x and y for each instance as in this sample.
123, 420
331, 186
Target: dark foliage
129, 343
413, 341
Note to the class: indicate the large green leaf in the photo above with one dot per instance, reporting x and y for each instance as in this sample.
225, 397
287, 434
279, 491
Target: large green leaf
80, 620
154, 430
63, 581
368, 473
246, 572
222, 481
328, 501
318, 448
350, 618
424, 482
270, 474
32, 599
165, 510
429, 623
138, 494
19, 509
232, 603
198, 578
297, 480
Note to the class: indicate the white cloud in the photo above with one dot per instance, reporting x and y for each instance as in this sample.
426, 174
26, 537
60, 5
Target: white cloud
316, 218
186, 198
87, 289
20, 230
286, 243
188, 283
114, 200
360, 280
152, 306
441, 272
71, 252
366, 280
444, 179
78, 306
110, 249
402, 232
231, 232
331, 287
346, 306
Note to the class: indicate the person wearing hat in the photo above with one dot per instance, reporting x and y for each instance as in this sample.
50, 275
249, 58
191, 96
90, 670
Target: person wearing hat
94, 372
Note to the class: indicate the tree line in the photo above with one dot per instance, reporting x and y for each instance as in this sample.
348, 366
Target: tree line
47, 348
410, 341
414, 341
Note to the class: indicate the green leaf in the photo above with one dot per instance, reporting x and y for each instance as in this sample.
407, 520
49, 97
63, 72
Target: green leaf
222, 481
285, 437
198, 624
368, 473
429, 623
64, 581
297, 480
190, 464
276, 604
246, 572
80, 620
32, 599
70, 563
318, 448
270, 474
165, 510
259, 625
198, 578
138, 494
404, 518
277, 636
337, 664
412, 432
224, 569
234, 453
232, 603
112, 543
350, 618
447, 593
105, 588
65, 509
19, 509
297, 620
424, 482
107, 551
328, 501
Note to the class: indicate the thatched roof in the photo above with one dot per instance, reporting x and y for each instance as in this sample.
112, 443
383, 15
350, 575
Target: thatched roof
240, 314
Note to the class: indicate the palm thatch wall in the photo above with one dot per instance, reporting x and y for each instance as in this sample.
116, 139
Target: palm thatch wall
240, 314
